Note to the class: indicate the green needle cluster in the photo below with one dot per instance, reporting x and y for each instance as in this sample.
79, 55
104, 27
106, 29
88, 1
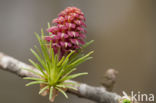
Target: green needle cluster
54, 71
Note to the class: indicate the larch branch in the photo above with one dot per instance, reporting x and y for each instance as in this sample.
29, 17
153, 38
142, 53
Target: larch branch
97, 94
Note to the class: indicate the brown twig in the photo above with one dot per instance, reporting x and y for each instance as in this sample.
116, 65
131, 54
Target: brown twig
98, 94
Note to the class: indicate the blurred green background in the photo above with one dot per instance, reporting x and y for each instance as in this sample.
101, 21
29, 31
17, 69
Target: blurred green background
125, 39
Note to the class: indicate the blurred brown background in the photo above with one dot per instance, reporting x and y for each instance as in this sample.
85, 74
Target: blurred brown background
124, 32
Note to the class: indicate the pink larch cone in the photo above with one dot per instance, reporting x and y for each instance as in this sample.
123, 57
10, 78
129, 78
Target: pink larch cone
68, 32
